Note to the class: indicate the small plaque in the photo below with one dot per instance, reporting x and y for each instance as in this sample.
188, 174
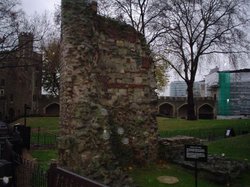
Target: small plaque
230, 133
196, 153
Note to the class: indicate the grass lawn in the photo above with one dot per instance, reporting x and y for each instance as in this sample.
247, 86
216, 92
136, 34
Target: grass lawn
44, 156
164, 124
200, 128
147, 177
170, 124
51, 124
43, 129
236, 148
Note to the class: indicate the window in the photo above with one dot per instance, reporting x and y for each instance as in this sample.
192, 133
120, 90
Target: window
1, 92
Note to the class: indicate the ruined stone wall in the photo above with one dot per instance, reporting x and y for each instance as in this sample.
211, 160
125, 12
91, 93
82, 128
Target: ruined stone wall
107, 95
218, 168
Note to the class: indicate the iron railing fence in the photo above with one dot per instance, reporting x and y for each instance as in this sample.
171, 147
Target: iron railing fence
41, 138
31, 174
209, 134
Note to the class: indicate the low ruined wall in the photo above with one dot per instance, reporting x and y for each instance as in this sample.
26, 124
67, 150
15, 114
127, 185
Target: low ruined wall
217, 168
173, 148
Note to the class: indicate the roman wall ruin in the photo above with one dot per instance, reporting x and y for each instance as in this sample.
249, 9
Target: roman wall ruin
107, 95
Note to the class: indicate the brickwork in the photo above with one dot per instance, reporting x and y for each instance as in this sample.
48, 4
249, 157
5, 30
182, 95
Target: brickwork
107, 96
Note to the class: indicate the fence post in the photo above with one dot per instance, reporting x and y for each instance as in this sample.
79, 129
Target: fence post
52, 175
38, 136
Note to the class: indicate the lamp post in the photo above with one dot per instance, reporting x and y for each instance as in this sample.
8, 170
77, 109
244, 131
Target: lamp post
228, 106
26, 107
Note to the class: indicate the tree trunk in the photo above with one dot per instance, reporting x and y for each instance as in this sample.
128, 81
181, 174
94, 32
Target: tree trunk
190, 102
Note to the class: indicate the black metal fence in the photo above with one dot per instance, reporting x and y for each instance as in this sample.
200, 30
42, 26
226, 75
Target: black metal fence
41, 138
30, 174
209, 134
59, 177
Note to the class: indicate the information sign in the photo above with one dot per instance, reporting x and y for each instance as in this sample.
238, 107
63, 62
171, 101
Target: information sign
196, 153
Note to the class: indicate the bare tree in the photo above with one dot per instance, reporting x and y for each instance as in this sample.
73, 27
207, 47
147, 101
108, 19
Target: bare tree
198, 28
13, 23
51, 63
9, 24
141, 14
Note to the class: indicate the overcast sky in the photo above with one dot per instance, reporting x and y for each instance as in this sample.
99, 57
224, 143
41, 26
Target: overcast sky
39, 6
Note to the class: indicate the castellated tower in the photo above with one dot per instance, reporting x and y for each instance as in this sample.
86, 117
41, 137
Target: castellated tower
107, 96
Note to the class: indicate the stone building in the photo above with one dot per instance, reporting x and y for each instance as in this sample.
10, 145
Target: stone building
176, 107
107, 96
20, 80
49, 105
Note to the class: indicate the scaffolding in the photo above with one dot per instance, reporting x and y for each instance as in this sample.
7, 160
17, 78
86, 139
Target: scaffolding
224, 94
233, 94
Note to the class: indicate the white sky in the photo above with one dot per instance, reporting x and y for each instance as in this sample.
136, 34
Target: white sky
39, 6
30, 7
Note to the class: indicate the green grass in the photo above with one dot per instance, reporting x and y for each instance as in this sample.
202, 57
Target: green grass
164, 124
243, 180
236, 148
50, 124
168, 124
49, 127
147, 177
44, 157
200, 128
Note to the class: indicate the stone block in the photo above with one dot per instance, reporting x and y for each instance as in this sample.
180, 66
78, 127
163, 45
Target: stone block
138, 80
119, 43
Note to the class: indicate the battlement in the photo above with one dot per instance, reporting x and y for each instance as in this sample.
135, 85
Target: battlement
166, 98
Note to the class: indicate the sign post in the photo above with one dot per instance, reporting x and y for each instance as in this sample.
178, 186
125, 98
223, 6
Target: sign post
26, 107
196, 153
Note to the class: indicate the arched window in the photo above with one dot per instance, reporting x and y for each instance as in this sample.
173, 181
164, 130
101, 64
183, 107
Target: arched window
206, 112
166, 109
182, 111
52, 109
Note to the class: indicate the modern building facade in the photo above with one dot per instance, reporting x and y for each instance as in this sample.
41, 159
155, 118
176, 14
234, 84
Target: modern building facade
232, 91
179, 89
222, 94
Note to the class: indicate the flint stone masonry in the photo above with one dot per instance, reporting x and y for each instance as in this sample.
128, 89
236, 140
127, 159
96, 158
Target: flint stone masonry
107, 96
173, 148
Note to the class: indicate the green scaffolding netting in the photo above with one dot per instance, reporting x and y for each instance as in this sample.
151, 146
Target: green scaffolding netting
224, 94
